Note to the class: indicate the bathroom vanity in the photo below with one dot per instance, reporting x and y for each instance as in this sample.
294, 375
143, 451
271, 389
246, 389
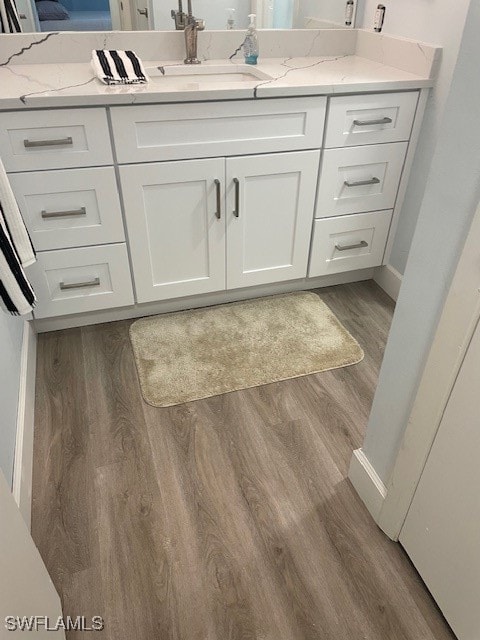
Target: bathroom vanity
166, 196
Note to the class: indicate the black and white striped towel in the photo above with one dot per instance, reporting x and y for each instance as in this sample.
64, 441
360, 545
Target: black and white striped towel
9, 20
16, 252
118, 67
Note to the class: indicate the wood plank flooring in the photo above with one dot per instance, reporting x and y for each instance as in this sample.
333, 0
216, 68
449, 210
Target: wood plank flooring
223, 519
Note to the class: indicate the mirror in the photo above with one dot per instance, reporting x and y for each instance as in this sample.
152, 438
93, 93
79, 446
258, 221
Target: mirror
143, 15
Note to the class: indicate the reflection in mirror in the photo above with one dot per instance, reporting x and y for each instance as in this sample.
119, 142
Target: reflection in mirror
143, 15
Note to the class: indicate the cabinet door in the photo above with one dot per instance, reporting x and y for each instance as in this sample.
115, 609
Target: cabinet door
177, 240
270, 205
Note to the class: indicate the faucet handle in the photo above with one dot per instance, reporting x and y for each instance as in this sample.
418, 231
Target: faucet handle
200, 24
180, 19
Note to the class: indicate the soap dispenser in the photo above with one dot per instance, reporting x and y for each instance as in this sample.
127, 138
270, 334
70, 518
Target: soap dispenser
230, 19
250, 45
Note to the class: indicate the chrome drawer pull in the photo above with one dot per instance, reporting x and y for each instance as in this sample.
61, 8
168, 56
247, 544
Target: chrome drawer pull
366, 123
63, 214
361, 183
236, 211
218, 212
360, 245
47, 143
64, 286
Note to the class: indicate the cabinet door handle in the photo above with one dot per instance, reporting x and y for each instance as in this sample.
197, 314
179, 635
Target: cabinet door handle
143, 12
366, 123
218, 212
64, 286
361, 183
48, 143
347, 247
63, 214
236, 211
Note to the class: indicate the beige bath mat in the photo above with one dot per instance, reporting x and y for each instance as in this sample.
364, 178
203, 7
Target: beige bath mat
206, 352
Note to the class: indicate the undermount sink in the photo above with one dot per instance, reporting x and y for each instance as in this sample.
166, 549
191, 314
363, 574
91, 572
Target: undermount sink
206, 74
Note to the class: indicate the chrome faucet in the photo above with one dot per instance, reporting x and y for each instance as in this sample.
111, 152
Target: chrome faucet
191, 26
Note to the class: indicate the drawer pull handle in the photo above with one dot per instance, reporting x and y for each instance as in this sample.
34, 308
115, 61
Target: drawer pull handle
366, 123
361, 183
65, 286
28, 144
347, 247
236, 211
63, 214
218, 212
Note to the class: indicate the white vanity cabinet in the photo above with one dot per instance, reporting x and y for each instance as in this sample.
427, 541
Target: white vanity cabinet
134, 205
208, 225
235, 220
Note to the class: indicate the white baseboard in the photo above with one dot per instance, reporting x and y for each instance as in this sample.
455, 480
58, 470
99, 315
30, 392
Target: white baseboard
23, 463
367, 483
389, 279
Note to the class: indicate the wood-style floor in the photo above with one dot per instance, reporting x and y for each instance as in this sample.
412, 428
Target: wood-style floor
223, 519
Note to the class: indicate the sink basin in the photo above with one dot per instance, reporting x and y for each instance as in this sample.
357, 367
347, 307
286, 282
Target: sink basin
196, 76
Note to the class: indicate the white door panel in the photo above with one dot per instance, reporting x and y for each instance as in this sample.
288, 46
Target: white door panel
141, 15
442, 531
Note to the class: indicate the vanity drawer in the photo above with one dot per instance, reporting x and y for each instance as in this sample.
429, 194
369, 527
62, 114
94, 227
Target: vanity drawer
70, 208
348, 243
371, 119
357, 179
80, 280
54, 139
205, 130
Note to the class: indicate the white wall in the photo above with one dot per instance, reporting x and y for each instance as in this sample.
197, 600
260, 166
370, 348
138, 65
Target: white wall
214, 13
452, 193
438, 22
283, 14
328, 10
11, 332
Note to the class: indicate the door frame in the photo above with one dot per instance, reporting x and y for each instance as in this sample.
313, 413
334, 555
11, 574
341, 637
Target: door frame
115, 15
456, 327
